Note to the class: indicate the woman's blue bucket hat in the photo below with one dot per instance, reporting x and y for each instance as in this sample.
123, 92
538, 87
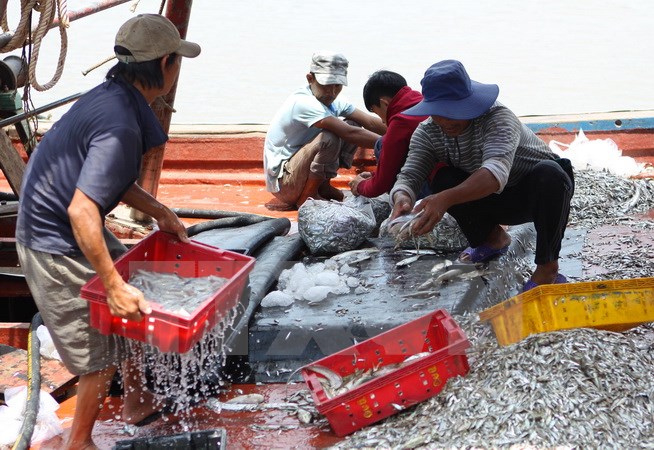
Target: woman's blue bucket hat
449, 92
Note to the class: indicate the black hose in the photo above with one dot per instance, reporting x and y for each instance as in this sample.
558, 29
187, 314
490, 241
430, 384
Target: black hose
225, 222
33, 386
270, 262
192, 213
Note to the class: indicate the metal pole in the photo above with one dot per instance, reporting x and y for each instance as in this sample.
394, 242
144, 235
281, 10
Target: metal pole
179, 12
17, 118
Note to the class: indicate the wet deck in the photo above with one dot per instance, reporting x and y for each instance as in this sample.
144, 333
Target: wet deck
384, 309
272, 428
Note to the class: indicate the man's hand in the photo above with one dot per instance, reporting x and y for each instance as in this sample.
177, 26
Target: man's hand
354, 184
170, 223
433, 208
138, 198
126, 301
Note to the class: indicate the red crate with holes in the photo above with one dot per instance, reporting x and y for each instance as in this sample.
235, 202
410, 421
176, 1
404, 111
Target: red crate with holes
438, 345
164, 253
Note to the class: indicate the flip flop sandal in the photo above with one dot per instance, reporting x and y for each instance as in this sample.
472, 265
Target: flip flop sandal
482, 253
560, 279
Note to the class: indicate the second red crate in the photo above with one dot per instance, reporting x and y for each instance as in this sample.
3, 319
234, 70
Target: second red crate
436, 334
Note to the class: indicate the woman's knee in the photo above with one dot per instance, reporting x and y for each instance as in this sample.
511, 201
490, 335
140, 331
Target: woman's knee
550, 175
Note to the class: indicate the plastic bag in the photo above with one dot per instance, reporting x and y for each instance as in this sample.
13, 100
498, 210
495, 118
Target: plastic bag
12, 416
334, 227
47, 349
596, 154
381, 206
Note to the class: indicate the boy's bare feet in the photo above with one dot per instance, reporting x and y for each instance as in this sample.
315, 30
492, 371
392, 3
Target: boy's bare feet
329, 192
277, 205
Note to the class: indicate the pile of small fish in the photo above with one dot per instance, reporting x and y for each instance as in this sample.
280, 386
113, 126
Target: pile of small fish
604, 198
626, 257
333, 227
580, 388
180, 295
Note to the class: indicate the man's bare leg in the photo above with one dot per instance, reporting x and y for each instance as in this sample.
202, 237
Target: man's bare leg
138, 401
92, 390
310, 189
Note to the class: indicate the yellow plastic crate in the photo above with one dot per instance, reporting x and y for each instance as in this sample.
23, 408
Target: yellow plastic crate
615, 305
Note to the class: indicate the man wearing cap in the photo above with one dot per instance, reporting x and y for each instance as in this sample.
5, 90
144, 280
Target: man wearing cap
498, 172
82, 168
307, 141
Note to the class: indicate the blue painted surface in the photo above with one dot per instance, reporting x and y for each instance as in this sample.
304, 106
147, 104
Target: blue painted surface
595, 125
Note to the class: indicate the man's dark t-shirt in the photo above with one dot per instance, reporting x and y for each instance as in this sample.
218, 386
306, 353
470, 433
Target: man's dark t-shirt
97, 147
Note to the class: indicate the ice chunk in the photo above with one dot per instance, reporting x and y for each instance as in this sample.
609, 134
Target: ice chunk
317, 294
346, 269
327, 278
277, 298
360, 290
301, 286
352, 282
331, 264
315, 269
342, 288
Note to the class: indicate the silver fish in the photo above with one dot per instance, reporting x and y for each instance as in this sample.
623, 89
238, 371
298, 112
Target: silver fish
335, 380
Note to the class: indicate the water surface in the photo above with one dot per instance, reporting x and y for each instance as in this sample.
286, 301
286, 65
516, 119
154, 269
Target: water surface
548, 57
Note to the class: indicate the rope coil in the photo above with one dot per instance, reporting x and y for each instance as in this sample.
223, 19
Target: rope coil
23, 35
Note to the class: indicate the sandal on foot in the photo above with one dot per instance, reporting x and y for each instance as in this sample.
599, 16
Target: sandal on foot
560, 279
482, 253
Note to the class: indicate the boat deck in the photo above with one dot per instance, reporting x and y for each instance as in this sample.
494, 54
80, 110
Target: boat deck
224, 173
277, 428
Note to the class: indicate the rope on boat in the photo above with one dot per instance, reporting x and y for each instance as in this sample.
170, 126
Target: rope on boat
33, 386
46, 19
23, 34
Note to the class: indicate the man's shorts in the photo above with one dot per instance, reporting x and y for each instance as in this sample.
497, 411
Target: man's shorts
55, 282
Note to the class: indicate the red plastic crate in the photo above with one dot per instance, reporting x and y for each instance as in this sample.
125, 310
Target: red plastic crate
163, 252
436, 333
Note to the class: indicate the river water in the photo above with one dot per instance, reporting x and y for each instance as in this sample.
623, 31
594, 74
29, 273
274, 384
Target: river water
548, 57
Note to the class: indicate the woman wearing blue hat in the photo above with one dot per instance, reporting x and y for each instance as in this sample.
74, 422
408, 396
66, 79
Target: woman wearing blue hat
498, 172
